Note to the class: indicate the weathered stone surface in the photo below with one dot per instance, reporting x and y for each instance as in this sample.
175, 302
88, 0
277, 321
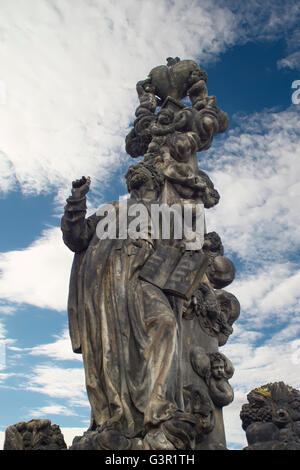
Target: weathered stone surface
148, 312
271, 418
37, 434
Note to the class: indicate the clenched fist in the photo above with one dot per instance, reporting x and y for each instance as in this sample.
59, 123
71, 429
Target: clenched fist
81, 187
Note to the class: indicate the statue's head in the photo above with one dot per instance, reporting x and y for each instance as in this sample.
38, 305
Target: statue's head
136, 176
213, 243
217, 366
144, 177
197, 74
221, 366
165, 117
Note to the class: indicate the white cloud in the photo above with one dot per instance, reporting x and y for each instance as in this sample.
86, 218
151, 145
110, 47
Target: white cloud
59, 382
39, 274
284, 296
256, 171
7, 309
255, 168
292, 61
270, 295
7, 175
2, 355
2, 332
70, 433
65, 384
5, 343
265, 21
45, 411
5, 376
60, 349
70, 72
235, 435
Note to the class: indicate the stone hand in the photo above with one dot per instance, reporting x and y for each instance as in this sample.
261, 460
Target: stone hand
196, 182
81, 187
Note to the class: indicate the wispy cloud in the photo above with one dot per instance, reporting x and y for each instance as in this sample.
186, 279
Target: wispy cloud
59, 350
39, 274
7, 309
70, 73
58, 382
256, 169
53, 409
292, 61
269, 295
264, 21
235, 435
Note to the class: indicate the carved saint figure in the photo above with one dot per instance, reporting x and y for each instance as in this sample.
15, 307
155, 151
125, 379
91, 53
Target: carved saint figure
124, 326
148, 385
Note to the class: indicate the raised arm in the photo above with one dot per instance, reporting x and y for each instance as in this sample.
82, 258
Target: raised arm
77, 230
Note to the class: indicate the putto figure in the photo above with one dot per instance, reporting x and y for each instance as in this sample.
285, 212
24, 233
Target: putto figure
136, 313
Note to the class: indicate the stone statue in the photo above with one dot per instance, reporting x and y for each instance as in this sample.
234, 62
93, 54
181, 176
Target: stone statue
141, 304
271, 418
37, 434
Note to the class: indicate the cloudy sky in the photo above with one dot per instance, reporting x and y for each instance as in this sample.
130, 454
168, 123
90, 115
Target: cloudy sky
67, 100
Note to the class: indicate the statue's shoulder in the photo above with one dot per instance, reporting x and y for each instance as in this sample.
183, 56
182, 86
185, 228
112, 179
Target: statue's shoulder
102, 208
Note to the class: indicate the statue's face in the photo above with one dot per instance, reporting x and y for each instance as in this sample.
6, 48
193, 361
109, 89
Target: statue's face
137, 178
164, 118
195, 76
218, 369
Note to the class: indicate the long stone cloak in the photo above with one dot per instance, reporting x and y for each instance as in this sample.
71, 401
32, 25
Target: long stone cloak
124, 327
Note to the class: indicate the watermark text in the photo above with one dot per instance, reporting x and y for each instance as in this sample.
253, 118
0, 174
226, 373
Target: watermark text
296, 93
159, 221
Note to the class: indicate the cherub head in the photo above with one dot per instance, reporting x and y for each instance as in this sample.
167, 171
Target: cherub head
221, 366
165, 117
211, 365
217, 366
196, 75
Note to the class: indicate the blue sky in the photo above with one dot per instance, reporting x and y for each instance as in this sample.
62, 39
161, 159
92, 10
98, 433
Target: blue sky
67, 98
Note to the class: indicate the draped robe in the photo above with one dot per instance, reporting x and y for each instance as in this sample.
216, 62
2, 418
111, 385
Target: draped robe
125, 328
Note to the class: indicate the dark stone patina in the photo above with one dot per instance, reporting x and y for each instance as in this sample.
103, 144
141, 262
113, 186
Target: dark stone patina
37, 434
147, 314
271, 418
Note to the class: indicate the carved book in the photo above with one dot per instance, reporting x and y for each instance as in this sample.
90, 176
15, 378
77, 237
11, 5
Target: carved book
175, 272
